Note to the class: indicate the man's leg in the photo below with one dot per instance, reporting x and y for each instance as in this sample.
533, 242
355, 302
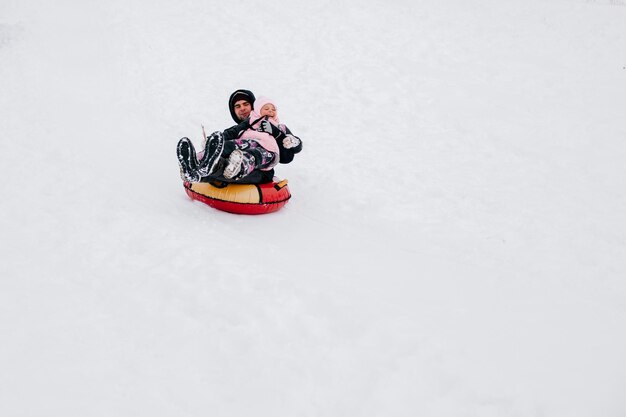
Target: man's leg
213, 150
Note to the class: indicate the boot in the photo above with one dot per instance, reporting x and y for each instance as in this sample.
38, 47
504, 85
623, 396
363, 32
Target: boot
212, 152
234, 164
187, 160
240, 164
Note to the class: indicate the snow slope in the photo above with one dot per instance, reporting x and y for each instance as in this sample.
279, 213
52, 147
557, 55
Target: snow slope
455, 244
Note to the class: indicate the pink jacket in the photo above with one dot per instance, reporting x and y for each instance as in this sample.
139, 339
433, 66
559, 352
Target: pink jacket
266, 140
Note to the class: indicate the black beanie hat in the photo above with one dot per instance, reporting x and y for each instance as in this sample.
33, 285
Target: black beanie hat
235, 97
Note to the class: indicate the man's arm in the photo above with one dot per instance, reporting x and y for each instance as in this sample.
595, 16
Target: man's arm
289, 146
288, 143
236, 131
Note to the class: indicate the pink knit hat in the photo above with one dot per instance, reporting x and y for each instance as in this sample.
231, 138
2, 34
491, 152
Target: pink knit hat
262, 101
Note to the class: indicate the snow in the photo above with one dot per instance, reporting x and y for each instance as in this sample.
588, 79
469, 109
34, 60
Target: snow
455, 244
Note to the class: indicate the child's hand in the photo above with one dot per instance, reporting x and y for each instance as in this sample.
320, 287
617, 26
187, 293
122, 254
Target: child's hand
290, 141
266, 127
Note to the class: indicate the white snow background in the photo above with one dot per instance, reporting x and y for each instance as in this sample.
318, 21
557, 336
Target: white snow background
455, 244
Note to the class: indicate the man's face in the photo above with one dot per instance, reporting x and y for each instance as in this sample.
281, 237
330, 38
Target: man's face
242, 109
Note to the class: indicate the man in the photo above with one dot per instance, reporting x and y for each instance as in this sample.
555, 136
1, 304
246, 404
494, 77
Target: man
211, 166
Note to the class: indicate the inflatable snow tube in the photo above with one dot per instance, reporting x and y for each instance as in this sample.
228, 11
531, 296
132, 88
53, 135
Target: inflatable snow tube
241, 198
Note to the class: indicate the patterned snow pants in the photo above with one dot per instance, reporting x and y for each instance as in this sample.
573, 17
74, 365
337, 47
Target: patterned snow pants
254, 155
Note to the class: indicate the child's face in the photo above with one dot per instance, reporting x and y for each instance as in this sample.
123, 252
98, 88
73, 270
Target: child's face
268, 110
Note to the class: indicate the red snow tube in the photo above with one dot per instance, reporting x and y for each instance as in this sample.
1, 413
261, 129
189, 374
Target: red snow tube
241, 198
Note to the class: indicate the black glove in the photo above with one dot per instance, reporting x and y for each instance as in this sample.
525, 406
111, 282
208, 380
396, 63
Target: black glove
267, 127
